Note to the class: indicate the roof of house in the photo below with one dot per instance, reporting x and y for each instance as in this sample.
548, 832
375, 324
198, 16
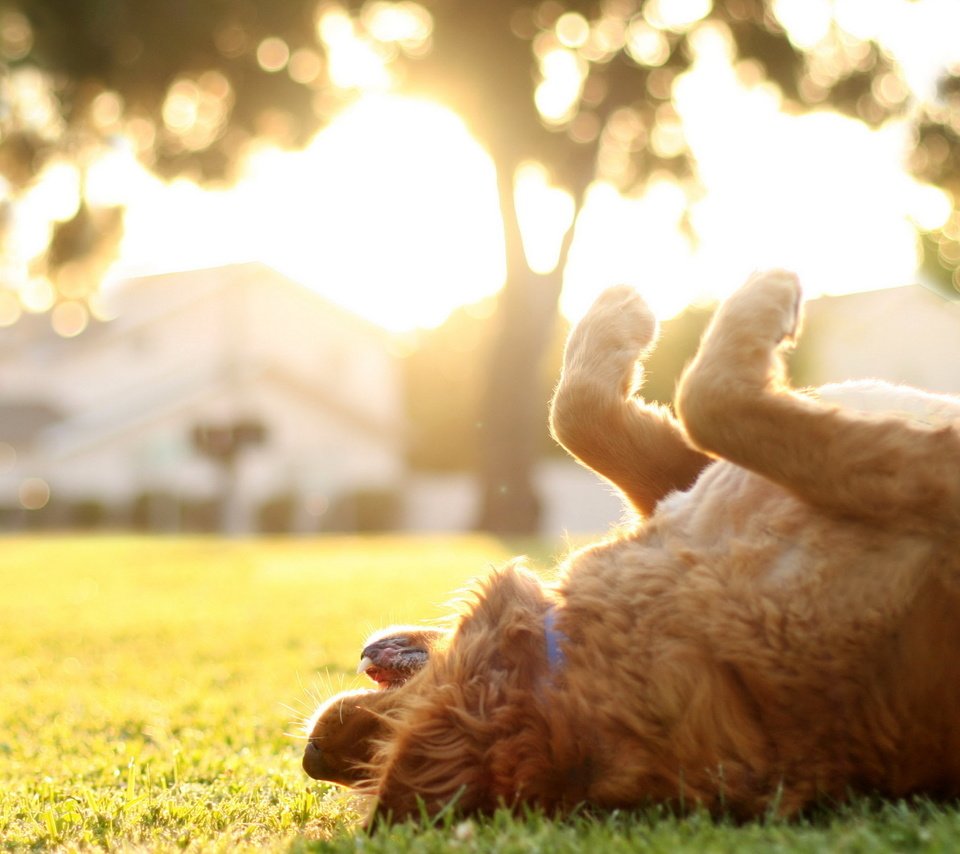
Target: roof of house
134, 302
154, 301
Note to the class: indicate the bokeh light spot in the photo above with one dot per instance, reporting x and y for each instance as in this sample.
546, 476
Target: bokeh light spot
305, 66
16, 35
273, 54
572, 29
34, 493
646, 45
69, 318
10, 309
106, 110
37, 296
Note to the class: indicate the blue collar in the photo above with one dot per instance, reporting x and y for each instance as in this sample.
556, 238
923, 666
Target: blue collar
553, 637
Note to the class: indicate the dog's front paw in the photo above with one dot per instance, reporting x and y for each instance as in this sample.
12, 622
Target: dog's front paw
739, 358
767, 307
617, 330
740, 348
393, 655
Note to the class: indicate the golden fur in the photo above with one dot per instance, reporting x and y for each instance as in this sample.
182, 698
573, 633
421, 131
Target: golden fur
782, 626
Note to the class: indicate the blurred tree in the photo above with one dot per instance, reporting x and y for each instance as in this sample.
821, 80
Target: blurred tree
444, 370
443, 374
583, 87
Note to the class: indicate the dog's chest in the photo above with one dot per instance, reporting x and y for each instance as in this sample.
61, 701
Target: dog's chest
726, 501
734, 520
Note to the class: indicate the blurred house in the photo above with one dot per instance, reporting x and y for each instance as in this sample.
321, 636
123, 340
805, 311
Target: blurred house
903, 335
235, 399
574, 500
228, 398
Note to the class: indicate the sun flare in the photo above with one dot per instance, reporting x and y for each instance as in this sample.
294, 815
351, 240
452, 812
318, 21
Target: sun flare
392, 210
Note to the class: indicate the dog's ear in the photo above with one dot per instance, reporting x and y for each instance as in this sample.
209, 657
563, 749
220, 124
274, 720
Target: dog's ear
470, 719
435, 757
503, 631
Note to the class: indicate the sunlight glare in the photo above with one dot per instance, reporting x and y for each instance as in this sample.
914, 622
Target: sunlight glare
354, 61
928, 206
391, 211
864, 19
55, 195
545, 213
807, 22
632, 241
676, 15
115, 177
820, 193
407, 23
558, 93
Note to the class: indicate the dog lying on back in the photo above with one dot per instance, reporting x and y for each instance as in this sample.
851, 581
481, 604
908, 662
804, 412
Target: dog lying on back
782, 626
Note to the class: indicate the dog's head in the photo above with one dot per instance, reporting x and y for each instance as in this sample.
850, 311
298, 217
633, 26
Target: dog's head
343, 732
342, 736
469, 730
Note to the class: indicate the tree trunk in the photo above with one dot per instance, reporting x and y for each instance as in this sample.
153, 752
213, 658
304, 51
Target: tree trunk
514, 410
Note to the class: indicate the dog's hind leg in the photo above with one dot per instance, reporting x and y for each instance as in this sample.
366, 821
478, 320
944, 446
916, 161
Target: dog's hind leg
884, 469
597, 414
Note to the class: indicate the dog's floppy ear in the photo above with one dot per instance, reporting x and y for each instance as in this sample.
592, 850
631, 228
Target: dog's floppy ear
503, 631
470, 718
435, 758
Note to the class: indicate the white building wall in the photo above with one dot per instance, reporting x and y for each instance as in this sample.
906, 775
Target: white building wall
210, 347
575, 501
904, 335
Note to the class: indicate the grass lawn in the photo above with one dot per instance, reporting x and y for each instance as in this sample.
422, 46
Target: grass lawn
152, 693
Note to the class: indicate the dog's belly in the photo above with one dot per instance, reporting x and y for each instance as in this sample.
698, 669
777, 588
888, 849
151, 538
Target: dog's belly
784, 578
885, 398
763, 634
748, 528
821, 638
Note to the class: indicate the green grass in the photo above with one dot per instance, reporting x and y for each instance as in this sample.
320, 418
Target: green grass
152, 693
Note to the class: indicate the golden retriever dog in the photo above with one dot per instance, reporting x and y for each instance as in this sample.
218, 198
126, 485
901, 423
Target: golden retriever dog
780, 627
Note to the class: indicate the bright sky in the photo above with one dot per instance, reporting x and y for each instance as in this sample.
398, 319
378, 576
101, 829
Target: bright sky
392, 210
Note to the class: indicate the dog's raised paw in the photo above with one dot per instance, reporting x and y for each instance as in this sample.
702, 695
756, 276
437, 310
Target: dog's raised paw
617, 330
620, 316
767, 307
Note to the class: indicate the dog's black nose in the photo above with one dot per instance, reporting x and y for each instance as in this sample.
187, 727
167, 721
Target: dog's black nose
313, 762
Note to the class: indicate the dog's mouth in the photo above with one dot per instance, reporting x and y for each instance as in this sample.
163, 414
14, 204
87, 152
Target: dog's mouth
392, 660
385, 677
